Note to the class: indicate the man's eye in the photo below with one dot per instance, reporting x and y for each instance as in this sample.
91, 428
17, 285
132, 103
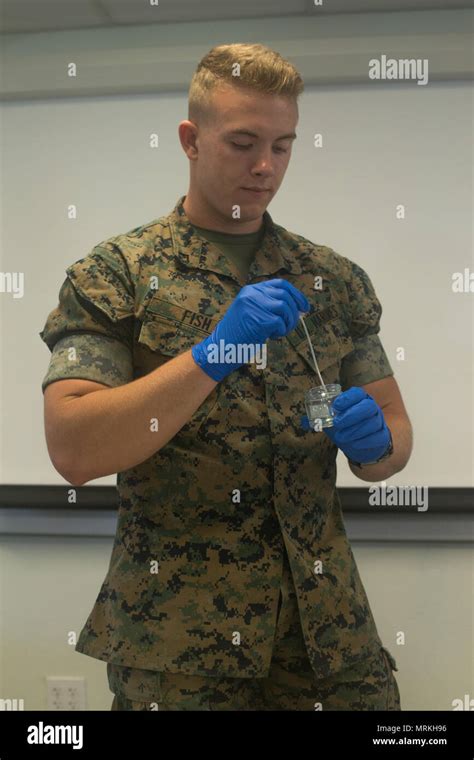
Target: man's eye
245, 147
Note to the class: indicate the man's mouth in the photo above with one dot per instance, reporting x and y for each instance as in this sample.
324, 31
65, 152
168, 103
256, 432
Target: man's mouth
259, 191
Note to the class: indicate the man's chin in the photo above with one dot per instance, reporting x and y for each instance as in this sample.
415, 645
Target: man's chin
254, 206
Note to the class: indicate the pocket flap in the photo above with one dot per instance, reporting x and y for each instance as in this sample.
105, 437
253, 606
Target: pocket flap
163, 336
183, 316
169, 328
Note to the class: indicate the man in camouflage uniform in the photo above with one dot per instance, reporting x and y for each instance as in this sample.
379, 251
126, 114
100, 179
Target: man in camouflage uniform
212, 600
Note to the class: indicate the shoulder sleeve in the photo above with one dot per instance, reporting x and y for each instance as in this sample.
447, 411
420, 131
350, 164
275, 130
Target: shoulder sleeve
90, 332
368, 361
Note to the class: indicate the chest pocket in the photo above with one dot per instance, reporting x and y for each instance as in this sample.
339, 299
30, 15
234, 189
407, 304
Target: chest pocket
161, 337
331, 341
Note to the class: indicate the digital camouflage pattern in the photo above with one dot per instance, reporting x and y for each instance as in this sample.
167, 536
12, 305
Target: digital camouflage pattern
291, 683
136, 301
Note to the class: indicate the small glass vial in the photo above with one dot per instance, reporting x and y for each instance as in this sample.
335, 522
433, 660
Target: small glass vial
318, 405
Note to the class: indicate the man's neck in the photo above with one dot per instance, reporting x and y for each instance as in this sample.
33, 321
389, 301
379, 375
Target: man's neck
201, 217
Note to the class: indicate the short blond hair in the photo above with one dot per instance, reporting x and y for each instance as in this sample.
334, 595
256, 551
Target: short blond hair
261, 69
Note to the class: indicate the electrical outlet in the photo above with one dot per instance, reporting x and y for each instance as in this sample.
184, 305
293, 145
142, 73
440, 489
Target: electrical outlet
66, 693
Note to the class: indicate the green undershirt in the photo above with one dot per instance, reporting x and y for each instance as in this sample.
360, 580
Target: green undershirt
240, 249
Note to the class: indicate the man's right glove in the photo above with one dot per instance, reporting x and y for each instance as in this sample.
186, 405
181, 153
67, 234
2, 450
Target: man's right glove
267, 309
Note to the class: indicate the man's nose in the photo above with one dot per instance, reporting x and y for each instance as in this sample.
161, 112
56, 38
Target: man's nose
264, 163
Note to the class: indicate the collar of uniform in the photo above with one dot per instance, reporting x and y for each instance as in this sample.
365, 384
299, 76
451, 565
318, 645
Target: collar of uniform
193, 251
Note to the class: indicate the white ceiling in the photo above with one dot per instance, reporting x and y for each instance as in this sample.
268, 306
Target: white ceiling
19, 16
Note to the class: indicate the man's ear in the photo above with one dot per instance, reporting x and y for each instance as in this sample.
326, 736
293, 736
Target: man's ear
187, 132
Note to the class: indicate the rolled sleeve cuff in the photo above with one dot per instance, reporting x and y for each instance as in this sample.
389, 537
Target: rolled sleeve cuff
89, 356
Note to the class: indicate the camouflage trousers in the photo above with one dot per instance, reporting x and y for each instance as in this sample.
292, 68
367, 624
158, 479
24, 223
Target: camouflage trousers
290, 685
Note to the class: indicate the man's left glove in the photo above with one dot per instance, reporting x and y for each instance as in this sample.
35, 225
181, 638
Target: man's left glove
359, 429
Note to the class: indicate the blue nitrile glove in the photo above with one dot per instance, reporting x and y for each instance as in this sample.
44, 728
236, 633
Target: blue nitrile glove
267, 309
359, 429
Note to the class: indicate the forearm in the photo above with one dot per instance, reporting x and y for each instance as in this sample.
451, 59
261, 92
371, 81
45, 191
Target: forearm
113, 429
402, 436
